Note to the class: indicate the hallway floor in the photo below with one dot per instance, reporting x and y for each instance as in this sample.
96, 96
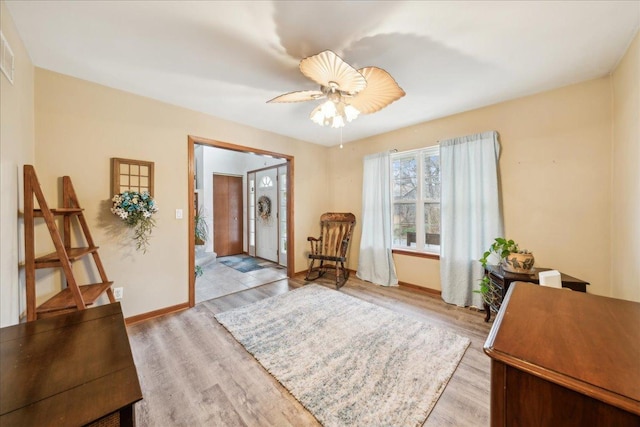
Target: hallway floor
219, 280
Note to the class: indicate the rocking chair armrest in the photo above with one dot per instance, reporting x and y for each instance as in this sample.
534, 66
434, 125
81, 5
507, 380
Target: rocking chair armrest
315, 244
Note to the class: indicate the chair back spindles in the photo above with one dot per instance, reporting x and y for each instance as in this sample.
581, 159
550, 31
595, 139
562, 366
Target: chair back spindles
335, 233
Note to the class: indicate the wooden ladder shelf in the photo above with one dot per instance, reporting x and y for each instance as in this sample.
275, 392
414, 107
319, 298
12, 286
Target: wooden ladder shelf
74, 296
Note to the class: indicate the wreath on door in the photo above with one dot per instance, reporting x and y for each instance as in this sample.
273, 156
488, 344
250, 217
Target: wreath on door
264, 208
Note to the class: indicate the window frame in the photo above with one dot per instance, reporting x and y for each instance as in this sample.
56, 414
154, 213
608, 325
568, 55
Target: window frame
117, 186
421, 249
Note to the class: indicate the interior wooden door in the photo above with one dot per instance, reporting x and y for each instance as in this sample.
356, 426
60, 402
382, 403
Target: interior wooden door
227, 215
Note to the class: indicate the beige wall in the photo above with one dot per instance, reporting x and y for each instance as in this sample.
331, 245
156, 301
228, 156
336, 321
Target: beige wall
560, 176
16, 149
555, 169
81, 125
625, 185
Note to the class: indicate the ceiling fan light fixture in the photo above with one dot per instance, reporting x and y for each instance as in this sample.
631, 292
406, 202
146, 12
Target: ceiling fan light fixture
349, 92
317, 116
351, 112
346, 111
334, 114
329, 109
337, 122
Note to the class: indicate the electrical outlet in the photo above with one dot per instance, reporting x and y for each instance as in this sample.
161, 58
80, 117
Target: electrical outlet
117, 293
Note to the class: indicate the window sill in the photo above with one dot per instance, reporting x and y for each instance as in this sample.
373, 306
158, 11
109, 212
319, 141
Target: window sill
416, 254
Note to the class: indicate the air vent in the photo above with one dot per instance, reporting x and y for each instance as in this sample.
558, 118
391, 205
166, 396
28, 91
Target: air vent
7, 64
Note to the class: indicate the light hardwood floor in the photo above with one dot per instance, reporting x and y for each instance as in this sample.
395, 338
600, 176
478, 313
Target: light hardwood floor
193, 373
218, 280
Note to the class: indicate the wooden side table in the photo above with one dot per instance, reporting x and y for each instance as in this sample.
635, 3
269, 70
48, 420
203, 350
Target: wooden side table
500, 280
563, 358
68, 370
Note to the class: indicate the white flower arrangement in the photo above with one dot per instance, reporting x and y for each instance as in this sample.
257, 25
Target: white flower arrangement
136, 210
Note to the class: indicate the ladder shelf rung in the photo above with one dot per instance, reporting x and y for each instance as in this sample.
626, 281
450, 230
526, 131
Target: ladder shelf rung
63, 300
37, 213
53, 260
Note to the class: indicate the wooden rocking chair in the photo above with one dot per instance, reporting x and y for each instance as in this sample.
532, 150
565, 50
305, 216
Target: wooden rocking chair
331, 246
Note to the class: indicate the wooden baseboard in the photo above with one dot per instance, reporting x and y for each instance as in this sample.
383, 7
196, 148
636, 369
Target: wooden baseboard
179, 307
433, 292
156, 313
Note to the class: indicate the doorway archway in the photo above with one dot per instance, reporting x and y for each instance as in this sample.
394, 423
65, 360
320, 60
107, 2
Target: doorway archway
192, 142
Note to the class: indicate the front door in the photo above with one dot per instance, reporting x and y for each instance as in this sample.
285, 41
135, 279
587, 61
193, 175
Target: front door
267, 214
227, 215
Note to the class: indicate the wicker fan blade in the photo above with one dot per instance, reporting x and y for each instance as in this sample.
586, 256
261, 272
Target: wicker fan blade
327, 67
303, 95
381, 91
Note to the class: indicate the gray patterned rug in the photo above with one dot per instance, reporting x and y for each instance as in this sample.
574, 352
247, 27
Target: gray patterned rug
242, 263
349, 362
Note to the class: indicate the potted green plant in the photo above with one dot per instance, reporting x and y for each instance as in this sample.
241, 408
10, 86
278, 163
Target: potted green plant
200, 227
511, 258
198, 271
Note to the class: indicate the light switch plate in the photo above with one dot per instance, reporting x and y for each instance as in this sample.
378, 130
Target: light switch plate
178, 213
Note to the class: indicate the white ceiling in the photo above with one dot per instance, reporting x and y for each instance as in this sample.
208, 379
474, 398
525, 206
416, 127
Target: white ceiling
227, 58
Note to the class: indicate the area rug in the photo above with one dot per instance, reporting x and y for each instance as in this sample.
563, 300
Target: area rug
349, 362
242, 263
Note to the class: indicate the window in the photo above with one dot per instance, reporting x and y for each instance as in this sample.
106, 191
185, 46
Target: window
415, 183
266, 182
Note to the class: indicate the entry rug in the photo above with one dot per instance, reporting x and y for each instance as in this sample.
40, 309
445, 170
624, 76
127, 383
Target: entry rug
349, 362
242, 263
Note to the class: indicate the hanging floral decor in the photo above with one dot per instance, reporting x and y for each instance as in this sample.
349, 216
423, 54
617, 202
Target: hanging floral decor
264, 208
136, 210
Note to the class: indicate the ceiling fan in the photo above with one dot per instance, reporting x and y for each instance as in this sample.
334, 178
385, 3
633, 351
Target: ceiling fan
349, 92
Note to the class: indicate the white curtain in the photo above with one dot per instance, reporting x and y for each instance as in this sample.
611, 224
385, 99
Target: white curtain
471, 216
376, 262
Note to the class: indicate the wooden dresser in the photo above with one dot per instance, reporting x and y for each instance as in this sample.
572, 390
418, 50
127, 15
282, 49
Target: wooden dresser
73, 369
563, 358
500, 280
